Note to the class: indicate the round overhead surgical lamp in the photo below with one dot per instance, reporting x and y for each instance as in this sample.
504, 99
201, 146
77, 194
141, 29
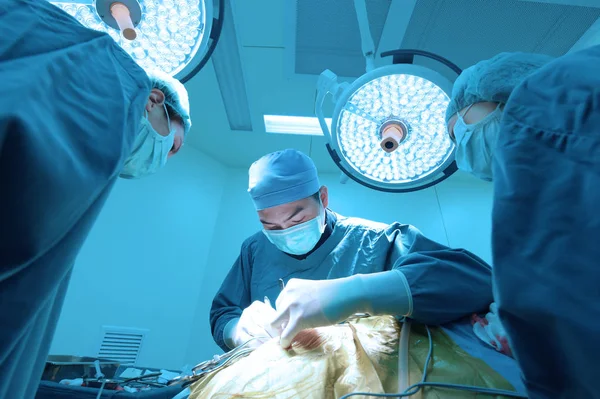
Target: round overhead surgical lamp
388, 129
174, 36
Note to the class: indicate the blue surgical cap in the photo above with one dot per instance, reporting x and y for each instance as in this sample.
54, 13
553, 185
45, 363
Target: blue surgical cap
493, 80
282, 177
176, 96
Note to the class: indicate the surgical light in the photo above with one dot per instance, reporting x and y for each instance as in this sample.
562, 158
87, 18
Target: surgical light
388, 129
169, 35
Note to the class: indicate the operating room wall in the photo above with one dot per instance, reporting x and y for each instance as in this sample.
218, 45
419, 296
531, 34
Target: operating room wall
143, 262
456, 212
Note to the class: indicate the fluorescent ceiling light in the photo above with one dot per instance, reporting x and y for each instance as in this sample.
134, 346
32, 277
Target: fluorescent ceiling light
294, 125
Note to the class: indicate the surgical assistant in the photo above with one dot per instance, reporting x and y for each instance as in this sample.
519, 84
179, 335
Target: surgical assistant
542, 152
76, 112
333, 265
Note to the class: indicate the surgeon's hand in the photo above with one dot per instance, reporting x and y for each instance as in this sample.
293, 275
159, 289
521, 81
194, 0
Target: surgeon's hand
254, 323
308, 304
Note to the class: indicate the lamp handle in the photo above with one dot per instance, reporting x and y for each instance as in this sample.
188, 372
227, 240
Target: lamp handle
405, 56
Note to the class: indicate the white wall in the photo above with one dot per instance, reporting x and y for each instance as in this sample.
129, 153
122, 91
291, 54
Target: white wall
236, 221
143, 262
454, 213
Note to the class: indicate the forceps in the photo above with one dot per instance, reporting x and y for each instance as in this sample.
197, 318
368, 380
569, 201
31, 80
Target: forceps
268, 302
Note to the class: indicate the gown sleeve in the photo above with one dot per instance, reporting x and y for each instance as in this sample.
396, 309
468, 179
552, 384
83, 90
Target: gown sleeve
232, 297
445, 284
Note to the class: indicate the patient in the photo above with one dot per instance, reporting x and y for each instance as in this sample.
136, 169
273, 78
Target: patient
359, 356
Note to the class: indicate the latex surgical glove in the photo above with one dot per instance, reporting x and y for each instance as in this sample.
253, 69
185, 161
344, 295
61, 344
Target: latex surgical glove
308, 304
253, 323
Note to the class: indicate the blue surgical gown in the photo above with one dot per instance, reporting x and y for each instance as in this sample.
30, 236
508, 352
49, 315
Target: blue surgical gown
71, 104
546, 226
446, 284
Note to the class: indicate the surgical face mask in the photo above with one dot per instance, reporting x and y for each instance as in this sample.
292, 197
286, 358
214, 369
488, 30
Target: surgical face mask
299, 239
150, 150
475, 144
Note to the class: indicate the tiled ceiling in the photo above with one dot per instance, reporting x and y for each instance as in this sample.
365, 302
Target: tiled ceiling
467, 31
327, 35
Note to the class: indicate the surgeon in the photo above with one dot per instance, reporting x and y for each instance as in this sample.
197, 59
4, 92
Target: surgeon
76, 112
542, 152
334, 266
